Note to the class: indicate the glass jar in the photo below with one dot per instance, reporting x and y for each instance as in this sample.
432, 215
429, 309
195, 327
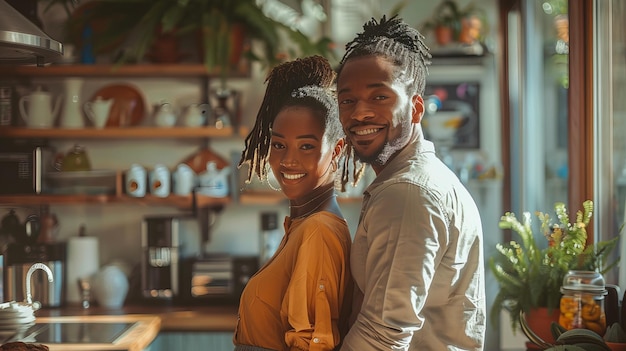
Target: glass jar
582, 302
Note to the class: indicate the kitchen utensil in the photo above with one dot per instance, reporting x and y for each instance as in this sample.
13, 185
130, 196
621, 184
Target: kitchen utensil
94, 182
76, 160
136, 181
72, 116
164, 115
84, 287
128, 107
184, 179
160, 243
160, 181
214, 182
48, 228
195, 115
97, 111
198, 160
39, 109
32, 227
10, 228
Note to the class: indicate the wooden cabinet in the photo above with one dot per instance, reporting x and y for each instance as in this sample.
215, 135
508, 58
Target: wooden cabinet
183, 341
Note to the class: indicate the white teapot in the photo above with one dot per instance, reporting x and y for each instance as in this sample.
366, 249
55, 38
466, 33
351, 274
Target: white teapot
214, 182
40, 112
164, 115
195, 115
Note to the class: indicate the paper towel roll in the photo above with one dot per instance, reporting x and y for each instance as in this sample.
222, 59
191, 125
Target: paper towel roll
83, 260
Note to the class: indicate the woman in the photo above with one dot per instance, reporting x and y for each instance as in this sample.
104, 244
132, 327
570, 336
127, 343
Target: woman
299, 299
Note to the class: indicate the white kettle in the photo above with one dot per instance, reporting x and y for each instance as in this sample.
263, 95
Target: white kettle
38, 109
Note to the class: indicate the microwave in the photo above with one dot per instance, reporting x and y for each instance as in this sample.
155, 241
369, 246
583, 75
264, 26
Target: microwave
22, 168
216, 278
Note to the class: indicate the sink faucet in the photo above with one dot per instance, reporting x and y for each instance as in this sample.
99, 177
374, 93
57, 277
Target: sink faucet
31, 270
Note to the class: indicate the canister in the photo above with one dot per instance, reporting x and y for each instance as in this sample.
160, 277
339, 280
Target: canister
136, 181
582, 302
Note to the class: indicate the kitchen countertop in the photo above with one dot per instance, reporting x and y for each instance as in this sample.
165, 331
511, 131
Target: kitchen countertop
173, 318
137, 338
151, 320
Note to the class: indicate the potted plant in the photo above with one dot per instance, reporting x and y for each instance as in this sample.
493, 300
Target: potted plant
450, 23
215, 23
530, 273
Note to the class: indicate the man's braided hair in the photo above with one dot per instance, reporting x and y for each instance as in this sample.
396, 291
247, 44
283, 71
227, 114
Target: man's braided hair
402, 45
307, 82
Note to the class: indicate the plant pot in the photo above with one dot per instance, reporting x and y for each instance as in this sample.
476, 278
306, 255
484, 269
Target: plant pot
443, 35
539, 321
616, 346
165, 48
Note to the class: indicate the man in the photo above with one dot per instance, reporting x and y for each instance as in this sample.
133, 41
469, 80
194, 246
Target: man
417, 255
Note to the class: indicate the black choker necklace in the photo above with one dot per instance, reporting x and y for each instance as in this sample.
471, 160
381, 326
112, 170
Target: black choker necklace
322, 199
331, 189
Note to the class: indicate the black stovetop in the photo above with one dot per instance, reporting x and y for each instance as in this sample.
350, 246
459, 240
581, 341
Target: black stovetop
76, 333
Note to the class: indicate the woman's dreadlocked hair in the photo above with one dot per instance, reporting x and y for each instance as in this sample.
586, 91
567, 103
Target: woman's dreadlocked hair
401, 44
303, 82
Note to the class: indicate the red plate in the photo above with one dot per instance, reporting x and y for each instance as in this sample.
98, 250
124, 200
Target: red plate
128, 107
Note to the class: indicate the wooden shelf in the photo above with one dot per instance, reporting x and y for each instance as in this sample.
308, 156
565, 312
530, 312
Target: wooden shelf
120, 133
261, 197
265, 197
112, 70
183, 202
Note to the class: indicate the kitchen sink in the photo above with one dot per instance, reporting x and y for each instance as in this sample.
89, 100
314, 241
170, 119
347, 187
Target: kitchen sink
74, 333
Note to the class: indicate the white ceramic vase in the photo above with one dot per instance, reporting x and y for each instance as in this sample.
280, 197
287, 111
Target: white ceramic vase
110, 287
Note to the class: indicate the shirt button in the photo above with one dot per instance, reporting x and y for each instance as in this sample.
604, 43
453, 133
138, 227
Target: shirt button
321, 286
316, 340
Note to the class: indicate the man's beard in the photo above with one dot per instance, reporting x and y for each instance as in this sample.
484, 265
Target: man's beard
389, 148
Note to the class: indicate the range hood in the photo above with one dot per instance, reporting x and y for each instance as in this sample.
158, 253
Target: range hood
22, 42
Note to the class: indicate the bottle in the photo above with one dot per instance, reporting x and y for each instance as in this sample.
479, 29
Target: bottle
582, 303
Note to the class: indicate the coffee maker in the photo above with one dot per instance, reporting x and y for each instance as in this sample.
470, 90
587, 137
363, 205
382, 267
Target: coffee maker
160, 238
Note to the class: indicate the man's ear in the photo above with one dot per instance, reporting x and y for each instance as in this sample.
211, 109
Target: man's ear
418, 108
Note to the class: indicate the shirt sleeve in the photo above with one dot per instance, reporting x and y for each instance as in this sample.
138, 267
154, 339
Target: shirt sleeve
406, 232
313, 295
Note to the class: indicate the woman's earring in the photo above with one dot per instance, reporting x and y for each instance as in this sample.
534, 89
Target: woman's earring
334, 165
268, 175
271, 186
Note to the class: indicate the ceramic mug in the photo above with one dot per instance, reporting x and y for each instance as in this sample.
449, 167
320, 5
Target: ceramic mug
136, 181
98, 111
160, 181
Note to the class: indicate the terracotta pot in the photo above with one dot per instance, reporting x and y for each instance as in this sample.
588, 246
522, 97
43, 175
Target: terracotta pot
614, 346
165, 48
443, 35
539, 321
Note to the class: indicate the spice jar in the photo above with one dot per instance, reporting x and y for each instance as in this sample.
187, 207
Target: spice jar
582, 302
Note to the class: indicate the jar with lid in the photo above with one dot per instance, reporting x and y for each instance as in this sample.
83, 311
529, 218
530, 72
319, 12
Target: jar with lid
582, 302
